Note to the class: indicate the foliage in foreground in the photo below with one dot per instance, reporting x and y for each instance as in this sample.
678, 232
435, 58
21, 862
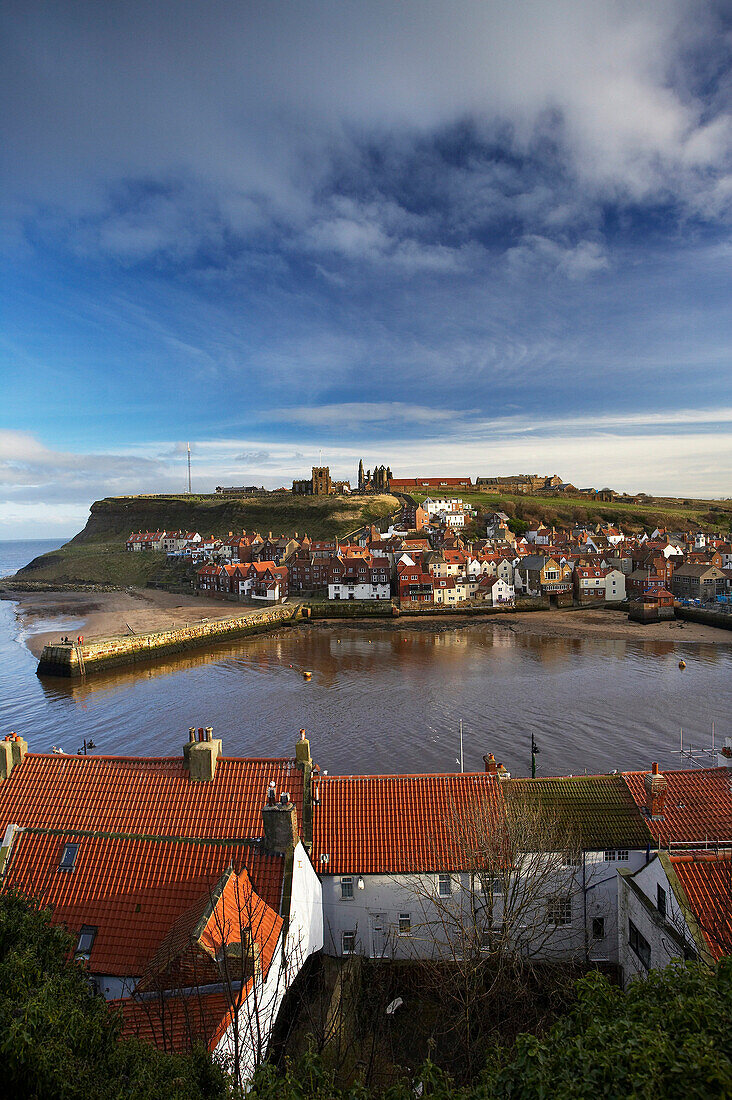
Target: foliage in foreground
60, 1041
667, 1037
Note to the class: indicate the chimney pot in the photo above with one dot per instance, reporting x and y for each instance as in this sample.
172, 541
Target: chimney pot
655, 784
209, 733
200, 733
490, 764
191, 733
280, 823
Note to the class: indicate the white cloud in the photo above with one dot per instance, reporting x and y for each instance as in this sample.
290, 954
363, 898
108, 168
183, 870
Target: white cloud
677, 453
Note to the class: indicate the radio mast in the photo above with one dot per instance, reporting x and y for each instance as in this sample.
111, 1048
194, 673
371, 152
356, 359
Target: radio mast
189, 468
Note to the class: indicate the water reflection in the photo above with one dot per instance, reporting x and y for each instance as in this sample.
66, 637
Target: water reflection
391, 699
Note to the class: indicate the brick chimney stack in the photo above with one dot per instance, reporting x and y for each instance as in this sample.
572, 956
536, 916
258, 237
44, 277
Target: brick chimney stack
655, 786
280, 822
302, 750
200, 755
490, 764
12, 751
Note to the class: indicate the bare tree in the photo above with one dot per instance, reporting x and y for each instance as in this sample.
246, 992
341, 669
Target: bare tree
492, 924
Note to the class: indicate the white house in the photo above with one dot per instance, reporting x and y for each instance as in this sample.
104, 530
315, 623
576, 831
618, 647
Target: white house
406, 866
614, 585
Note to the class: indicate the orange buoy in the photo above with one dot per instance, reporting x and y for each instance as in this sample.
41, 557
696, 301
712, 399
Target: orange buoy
307, 675
682, 664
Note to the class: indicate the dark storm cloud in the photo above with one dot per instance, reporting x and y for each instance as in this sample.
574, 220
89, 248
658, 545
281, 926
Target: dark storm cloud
372, 130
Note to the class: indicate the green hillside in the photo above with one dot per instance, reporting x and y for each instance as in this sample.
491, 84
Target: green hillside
674, 514
97, 554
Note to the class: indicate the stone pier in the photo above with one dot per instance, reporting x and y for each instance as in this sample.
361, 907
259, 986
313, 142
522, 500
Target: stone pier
102, 653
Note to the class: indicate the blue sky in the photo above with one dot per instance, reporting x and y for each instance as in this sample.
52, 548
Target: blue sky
455, 237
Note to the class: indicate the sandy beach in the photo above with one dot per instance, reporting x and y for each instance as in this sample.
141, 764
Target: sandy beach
100, 614
44, 616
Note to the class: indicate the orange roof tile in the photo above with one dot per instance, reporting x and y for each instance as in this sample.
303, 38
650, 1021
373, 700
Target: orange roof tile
698, 805
397, 823
150, 795
177, 1023
132, 889
707, 881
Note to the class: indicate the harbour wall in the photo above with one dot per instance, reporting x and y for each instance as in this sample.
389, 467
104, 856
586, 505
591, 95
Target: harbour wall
708, 618
90, 657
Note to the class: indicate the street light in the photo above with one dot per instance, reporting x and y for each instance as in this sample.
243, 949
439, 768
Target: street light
87, 747
534, 751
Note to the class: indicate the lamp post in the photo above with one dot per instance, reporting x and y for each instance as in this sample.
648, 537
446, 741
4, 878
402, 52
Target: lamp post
534, 751
87, 747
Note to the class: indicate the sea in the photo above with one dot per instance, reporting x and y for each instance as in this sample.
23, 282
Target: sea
386, 701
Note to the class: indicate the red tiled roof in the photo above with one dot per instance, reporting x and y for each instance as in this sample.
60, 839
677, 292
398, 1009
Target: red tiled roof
398, 823
131, 889
153, 796
177, 1023
707, 881
698, 805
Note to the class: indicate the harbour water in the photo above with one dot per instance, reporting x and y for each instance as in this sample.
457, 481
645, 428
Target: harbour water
386, 700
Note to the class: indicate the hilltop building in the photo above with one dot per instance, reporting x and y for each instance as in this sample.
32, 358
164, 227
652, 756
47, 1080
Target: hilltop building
319, 484
376, 480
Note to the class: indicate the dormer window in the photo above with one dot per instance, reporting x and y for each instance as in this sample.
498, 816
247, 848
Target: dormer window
87, 936
68, 857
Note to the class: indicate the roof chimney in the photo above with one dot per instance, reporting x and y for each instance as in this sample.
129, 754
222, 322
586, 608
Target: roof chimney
724, 756
302, 750
200, 755
655, 786
280, 822
12, 751
490, 764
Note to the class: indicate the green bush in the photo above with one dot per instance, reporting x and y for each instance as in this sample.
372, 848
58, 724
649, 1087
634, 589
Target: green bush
60, 1041
668, 1037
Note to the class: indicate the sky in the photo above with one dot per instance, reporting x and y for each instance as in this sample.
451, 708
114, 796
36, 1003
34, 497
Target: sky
454, 237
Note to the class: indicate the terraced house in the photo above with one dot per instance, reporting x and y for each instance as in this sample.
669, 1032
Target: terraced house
196, 886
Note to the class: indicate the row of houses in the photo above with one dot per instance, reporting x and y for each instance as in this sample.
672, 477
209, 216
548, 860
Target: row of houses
429, 558
196, 887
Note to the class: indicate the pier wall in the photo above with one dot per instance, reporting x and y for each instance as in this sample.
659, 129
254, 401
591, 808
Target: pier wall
708, 618
79, 660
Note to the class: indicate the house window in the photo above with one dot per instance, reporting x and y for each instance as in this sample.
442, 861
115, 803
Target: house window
661, 900
405, 924
86, 939
639, 945
559, 909
598, 928
570, 859
68, 857
616, 855
348, 943
347, 886
444, 886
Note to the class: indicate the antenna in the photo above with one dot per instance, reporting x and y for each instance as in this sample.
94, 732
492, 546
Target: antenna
189, 468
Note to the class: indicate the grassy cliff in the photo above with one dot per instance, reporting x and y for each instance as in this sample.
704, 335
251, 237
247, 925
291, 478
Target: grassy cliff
97, 554
674, 514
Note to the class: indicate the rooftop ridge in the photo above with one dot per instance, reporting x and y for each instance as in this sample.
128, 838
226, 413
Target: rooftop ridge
413, 775
152, 759
164, 838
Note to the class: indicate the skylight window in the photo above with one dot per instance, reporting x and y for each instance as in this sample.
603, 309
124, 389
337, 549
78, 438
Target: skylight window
86, 939
68, 857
